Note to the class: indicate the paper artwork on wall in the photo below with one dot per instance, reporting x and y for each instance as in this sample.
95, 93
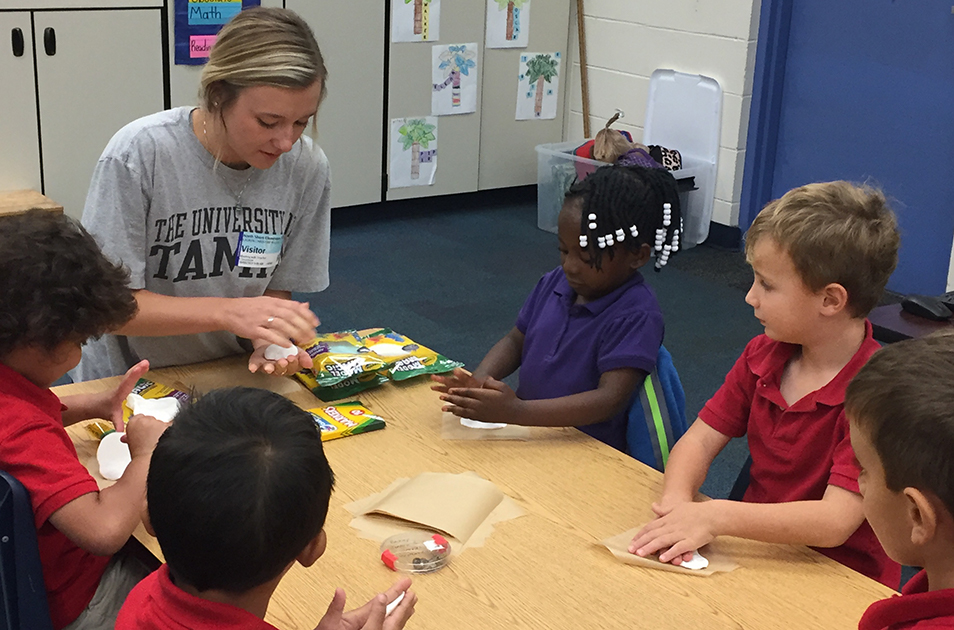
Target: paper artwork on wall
415, 20
454, 71
413, 151
538, 86
198, 23
508, 23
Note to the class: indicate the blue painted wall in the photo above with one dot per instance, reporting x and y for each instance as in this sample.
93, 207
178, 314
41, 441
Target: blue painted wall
861, 90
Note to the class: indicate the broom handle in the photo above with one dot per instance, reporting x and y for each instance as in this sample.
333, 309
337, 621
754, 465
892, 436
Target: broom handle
584, 81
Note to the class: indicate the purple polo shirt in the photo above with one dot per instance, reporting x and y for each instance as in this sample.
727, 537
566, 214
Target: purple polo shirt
568, 346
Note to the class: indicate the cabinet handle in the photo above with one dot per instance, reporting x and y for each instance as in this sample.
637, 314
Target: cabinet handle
16, 40
49, 40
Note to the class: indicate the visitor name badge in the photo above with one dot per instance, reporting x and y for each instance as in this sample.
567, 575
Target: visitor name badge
258, 250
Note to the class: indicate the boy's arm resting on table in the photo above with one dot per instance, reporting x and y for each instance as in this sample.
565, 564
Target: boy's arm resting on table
496, 402
689, 463
101, 522
163, 315
827, 522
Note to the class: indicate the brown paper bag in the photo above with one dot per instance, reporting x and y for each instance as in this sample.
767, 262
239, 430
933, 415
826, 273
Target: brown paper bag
718, 561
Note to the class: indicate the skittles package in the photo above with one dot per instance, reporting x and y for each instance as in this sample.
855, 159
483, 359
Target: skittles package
405, 358
344, 419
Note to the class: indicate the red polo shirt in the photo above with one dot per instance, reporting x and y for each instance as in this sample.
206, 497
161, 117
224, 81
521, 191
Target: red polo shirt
158, 604
799, 450
35, 448
915, 608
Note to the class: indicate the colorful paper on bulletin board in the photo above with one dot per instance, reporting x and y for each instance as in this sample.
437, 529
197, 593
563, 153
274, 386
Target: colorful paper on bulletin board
454, 72
415, 20
538, 86
508, 23
198, 23
413, 152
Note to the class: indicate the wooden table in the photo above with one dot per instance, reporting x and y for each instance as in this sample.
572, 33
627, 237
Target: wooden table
542, 570
891, 323
19, 201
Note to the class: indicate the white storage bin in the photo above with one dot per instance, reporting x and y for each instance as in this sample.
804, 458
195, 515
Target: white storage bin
683, 112
558, 168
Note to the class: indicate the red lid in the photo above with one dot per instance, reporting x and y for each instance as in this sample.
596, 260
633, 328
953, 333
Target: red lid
388, 559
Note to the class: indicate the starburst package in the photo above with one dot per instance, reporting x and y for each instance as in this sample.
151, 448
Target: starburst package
344, 419
405, 358
151, 391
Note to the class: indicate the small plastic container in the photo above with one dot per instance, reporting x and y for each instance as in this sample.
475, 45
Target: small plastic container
415, 552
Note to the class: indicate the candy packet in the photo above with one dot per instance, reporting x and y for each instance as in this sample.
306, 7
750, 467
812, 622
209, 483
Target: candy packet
344, 419
338, 357
405, 358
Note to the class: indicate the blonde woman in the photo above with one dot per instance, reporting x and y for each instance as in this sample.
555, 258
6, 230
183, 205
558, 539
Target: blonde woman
220, 211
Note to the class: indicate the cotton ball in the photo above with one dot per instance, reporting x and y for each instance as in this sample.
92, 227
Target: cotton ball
164, 409
113, 456
275, 352
697, 563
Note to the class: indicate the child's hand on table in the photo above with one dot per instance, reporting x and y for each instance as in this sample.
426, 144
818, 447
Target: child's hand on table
372, 615
677, 531
458, 378
493, 402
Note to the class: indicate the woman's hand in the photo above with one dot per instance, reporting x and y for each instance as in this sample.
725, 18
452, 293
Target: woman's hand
278, 367
270, 319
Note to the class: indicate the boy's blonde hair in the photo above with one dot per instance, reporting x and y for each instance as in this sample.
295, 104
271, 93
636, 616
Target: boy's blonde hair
834, 232
261, 46
903, 402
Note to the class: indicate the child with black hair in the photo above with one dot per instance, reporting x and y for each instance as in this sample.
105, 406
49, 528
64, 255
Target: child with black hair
590, 331
238, 492
58, 290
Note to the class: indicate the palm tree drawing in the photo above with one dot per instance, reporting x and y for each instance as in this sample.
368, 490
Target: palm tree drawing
541, 68
420, 16
416, 133
455, 61
513, 15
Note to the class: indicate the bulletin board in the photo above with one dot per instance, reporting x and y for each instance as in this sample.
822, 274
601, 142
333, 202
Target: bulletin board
198, 23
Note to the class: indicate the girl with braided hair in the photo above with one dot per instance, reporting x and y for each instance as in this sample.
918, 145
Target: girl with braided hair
590, 331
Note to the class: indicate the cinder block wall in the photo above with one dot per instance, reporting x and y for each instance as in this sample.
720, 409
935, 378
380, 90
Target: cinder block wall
628, 39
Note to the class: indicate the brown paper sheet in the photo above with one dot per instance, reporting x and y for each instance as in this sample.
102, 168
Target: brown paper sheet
452, 429
719, 562
465, 511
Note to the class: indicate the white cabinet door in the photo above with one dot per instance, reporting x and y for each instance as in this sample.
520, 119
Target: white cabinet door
19, 145
351, 36
409, 94
507, 146
106, 71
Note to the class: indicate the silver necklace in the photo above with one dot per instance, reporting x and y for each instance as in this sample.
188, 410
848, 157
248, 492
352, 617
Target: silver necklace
238, 197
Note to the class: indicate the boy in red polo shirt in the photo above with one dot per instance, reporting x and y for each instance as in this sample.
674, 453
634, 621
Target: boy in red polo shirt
902, 429
58, 291
238, 493
822, 255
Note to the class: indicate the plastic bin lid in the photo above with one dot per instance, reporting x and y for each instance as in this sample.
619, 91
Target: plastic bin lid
684, 112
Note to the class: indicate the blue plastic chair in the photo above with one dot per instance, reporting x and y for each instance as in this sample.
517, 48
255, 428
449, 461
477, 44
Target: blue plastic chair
21, 574
657, 416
